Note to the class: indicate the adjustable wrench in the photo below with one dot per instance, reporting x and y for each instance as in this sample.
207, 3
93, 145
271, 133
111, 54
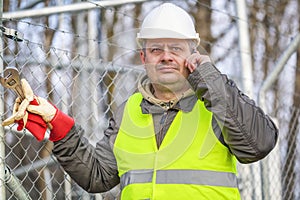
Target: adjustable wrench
11, 80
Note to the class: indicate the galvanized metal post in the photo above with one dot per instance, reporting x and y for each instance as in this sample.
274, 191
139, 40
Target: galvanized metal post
252, 184
14, 185
245, 49
292, 48
2, 135
76, 7
273, 160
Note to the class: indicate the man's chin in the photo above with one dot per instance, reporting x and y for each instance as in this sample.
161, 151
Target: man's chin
171, 82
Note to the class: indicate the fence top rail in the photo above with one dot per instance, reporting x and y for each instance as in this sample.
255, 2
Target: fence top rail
30, 13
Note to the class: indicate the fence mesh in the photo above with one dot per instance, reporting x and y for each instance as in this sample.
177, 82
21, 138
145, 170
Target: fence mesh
86, 88
89, 88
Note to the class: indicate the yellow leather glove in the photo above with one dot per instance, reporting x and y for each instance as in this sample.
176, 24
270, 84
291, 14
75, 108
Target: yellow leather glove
17, 115
44, 109
19, 110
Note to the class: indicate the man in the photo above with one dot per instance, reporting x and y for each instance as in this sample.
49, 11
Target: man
177, 138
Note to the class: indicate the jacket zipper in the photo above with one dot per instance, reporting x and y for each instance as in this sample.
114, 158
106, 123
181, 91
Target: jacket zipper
163, 118
162, 122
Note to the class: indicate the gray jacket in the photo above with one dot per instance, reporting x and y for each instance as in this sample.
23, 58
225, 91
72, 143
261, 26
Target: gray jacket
238, 123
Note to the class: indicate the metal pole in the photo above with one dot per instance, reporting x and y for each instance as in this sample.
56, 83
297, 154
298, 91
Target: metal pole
253, 184
272, 162
277, 70
66, 8
93, 33
15, 186
245, 49
35, 166
2, 135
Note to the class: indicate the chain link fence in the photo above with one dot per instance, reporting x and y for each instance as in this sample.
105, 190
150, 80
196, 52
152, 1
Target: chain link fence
89, 88
86, 88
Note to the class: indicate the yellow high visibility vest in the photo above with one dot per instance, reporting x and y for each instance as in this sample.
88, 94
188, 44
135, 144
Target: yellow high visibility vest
191, 162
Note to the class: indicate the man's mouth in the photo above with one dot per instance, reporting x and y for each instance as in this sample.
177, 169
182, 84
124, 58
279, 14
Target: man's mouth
167, 67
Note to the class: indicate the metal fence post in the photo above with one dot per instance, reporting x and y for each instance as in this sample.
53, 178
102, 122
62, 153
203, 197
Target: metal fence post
273, 160
15, 185
252, 183
2, 140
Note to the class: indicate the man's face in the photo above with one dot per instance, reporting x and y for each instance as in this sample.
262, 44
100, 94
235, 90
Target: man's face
164, 60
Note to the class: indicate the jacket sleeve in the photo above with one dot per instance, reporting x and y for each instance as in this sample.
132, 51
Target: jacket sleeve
247, 131
93, 168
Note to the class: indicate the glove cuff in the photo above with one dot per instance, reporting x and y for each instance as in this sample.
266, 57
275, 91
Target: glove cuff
61, 124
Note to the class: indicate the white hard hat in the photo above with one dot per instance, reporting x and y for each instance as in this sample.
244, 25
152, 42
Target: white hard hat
168, 21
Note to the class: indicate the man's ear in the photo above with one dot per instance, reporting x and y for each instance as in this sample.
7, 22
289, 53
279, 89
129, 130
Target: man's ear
142, 56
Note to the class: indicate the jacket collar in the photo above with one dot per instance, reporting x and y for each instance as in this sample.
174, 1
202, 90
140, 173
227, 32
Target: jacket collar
151, 105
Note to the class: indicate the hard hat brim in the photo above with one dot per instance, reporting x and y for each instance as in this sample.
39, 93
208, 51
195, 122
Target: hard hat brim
153, 33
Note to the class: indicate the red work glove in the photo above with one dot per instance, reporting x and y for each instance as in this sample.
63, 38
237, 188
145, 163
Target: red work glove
58, 122
35, 113
34, 123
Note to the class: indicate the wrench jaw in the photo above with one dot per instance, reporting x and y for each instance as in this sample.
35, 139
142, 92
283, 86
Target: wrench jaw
11, 80
2, 81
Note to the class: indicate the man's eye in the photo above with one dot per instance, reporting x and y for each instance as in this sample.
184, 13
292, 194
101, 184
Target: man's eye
156, 50
176, 49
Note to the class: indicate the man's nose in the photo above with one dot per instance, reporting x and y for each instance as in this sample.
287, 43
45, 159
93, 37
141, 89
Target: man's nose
166, 56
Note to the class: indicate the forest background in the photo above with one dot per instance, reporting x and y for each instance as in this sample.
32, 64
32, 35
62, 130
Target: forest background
82, 56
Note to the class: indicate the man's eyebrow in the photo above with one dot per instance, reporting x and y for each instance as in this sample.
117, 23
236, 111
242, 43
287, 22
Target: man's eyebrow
161, 44
176, 44
155, 44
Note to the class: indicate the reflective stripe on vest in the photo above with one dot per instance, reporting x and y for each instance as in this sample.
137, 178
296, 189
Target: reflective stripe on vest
197, 177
